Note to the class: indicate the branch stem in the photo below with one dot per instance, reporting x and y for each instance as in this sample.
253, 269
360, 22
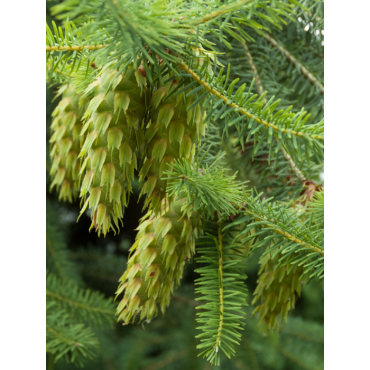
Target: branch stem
74, 48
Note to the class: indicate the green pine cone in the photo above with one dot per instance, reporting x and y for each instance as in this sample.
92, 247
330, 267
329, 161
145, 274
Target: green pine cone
66, 144
163, 245
172, 134
113, 125
277, 290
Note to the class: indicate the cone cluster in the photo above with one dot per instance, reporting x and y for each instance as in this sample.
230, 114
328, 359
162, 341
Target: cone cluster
97, 145
278, 290
164, 243
113, 122
66, 144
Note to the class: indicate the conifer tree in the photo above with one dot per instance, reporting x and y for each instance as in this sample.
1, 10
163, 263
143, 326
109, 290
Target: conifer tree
210, 113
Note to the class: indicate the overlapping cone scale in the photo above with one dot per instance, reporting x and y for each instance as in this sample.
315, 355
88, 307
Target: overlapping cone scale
164, 243
113, 126
66, 144
173, 133
277, 291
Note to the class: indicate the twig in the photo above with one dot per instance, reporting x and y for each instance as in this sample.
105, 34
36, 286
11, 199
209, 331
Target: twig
292, 59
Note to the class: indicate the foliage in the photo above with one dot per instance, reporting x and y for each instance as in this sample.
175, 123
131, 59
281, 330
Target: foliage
221, 286
210, 113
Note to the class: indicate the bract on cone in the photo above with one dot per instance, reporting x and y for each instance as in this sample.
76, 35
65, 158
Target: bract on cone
66, 144
277, 290
164, 243
113, 126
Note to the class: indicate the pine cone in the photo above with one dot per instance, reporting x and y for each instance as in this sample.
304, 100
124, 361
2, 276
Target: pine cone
163, 245
172, 134
278, 291
113, 123
66, 144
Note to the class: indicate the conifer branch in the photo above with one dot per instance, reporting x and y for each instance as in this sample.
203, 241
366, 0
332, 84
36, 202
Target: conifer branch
74, 48
292, 164
257, 79
314, 81
85, 304
63, 337
67, 339
284, 233
260, 91
206, 189
221, 286
282, 230
242, 111
57, 254
49, 67
78, 304
225, 10
53, 253
293, 358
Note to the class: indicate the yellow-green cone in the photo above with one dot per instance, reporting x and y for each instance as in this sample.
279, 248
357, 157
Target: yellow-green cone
66, 144
172, 134
113, 127
163, 245
277, 290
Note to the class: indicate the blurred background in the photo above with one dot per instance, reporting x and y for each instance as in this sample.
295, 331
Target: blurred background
167, 342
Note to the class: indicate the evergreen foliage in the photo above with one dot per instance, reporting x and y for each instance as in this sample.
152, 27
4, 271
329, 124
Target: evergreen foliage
210, 113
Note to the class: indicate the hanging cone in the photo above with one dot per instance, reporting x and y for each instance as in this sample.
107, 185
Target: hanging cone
278, 290
66, 144
113, 125
173, 133
163, 245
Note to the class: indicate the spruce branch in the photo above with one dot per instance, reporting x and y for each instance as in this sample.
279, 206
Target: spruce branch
57, 255
260, 91
221, 286
74, 48
84, 304
226, 9
313, 80
66, 339
257, 79
50, 68
280, 229
241, 110
206, 189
